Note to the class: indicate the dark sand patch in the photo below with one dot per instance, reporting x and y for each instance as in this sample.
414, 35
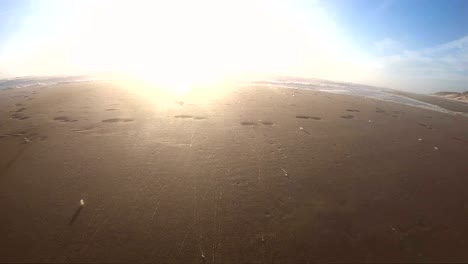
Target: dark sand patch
21, 110
199, 118
82, 130
352, 110
64, 119
75, 215
111, 109
347, 116
459, 139
308, 117
183, 116
115, 120
19, 116
378, 110
248, 123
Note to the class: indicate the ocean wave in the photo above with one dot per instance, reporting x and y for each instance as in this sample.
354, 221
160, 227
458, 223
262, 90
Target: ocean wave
23, 82
351, 89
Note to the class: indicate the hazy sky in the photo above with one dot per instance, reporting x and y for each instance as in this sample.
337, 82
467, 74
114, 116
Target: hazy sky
404, 44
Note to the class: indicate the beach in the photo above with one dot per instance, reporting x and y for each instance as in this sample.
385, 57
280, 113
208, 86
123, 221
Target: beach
255, 174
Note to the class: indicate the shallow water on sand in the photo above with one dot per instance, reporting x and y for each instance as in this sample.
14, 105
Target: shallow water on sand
350, 89
22, 82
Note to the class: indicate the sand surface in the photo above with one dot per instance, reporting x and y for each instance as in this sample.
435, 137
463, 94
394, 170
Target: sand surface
259, 174
454, 96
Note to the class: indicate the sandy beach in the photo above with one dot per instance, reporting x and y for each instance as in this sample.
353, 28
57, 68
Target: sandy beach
256, 174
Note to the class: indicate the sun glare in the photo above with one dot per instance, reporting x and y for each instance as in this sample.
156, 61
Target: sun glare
183, 48
183, 45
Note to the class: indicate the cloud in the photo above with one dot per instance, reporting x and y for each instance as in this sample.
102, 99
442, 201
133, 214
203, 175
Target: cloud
443, 67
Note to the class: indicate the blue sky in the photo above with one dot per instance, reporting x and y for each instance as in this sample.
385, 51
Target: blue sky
413, 24
416, 45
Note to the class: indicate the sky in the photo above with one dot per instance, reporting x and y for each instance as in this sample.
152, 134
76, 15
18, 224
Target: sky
413, 45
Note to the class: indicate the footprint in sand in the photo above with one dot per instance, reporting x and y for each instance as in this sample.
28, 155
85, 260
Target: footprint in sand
247, 123
19, 116
64, 119
352, 110
199, 118
308, 117
116, 120
378, 110
347, 116
111, 109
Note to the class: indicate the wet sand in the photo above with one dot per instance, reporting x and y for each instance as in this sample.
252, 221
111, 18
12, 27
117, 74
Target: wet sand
259, 174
